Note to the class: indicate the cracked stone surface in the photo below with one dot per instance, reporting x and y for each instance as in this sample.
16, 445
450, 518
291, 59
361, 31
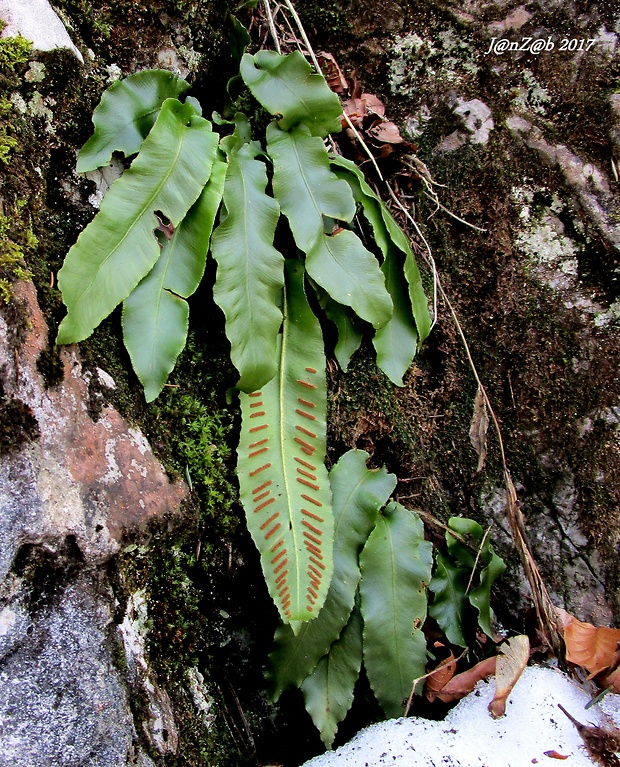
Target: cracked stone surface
68, 498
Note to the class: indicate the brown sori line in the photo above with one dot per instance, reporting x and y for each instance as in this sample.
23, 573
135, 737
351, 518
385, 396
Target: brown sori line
312, 538
282, 564
305, 463
314, 583
274, 529
312, 515
256, 404
259, 428
310, 607
306, 474
313, 549
261, 487
288, 614
283, 591
258, 452
256, 394
285, 607
281, 577
305, 415
317, 563
313, 592
257, 414
260, 468
308, 449
317, 573
277, 545
312, 500
311, 527
306, 402
260, 442
264, 503
262, 495
310, 370
306, 384
287, 601
306, 431
308, 484
277, 556
267, 522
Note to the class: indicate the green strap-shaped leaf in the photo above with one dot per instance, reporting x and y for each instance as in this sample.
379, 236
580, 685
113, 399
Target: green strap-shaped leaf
307, 192
250, 271
283, 482
155, 314
449, 585
341, 265
396, 569
304, 185
328, 691
397, 341
358, 494
125, 115
387, 235
287, 86
118, 248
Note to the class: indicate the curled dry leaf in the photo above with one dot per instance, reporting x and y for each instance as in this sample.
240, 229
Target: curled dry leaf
595, 648
332, 73
462, 684
513, 658
555, 755
479, 427
438, 679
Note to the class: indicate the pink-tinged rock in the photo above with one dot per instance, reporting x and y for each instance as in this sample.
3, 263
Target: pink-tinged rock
95, 481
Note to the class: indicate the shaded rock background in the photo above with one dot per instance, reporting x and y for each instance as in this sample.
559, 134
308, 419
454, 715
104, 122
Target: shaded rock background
133, 621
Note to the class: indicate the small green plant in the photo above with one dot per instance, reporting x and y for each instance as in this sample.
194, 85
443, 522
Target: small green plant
277, 214
147, 249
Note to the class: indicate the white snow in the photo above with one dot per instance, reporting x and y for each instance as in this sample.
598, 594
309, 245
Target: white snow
470, 737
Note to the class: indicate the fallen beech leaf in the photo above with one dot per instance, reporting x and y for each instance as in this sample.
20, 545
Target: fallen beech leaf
436, 681
387, 132
513, 658
555, 755
612, 680
373, 104
478, 428
462, 684
593, 647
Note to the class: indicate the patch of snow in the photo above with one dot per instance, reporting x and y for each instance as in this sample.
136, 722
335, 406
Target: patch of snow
470, 737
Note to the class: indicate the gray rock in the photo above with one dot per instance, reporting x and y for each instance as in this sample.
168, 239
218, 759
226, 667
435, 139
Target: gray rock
37, 21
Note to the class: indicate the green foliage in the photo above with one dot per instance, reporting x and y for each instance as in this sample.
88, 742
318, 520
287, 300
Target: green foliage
455, 570
127, 112
118, 249
396, 568
382, 568
147, 248
282, 480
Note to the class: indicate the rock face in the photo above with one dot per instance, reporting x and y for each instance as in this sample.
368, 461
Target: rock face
71, 492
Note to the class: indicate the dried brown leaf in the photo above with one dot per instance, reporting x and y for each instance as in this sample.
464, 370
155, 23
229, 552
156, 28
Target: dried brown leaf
513, 658
592, 647
555, 755
437, 680
462, 684
387, 132
479, 427
373, 104
332, 73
